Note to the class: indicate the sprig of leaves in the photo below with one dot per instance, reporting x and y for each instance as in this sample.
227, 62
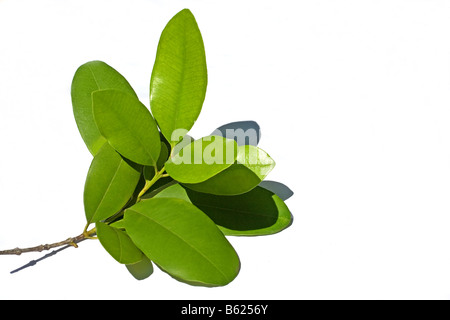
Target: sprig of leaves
156, 195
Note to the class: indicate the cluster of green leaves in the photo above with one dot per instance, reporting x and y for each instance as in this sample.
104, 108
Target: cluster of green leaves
149, 197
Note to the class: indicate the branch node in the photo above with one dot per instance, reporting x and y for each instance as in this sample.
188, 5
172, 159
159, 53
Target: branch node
43, 247
72, 242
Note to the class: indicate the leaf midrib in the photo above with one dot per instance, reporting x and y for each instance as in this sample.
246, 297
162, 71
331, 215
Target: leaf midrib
94, 77
134, 135
182, 76
107, 189
137, 137
184, 241
120, 245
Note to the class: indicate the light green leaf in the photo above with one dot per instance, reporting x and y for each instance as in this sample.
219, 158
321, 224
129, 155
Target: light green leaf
174, 191
256, 160
142, 269
252, 166
159, 185
118, 224
90, 77
118, 244
202, 159
255, 213
179, 77
110, 183
182, 241
187, 139
127, 125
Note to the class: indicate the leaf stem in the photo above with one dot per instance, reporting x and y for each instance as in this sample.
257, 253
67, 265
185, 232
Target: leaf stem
87, 234
149, 183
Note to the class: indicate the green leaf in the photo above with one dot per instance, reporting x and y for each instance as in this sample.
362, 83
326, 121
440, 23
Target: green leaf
255, 213
90, 77
256, 159
187, 139
252, 166
235, 180
159, 185
182, 241
202, 159
118, 244
179, 77
149, 171
127, 125
118, 224
163, 156
175, 191
142, 269
110, 183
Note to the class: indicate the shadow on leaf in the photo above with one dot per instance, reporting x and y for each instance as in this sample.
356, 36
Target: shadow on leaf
257, 212
243, 132
278, 188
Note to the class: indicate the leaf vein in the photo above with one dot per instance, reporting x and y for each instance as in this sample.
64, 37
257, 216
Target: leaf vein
184, 241
108, 188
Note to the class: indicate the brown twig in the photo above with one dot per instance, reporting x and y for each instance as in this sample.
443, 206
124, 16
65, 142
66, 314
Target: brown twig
70, 241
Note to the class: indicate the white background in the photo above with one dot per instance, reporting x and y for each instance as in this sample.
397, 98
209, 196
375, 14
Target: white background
353, 99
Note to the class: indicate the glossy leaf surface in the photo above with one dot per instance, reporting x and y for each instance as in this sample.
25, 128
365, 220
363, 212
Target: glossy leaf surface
252, 166
110, 183
118, 244
127, 125
202, 159
90, 77
255, 213
179, 77
256, 159
182, 241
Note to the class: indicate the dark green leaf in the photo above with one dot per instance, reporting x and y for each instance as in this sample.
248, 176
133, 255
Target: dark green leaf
258, 212
182, 241
179, 77
118, 244
110, 183
127, 125
202, 159
90, 77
